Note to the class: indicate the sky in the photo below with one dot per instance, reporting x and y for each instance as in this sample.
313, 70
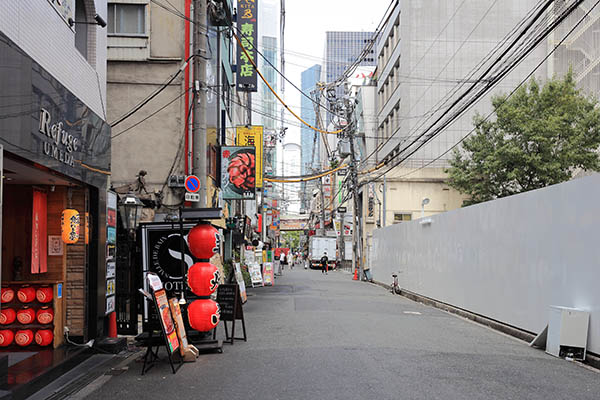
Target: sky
306, 24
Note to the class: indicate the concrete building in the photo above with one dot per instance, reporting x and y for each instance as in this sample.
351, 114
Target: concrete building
54, 166
147, 46
310, 140
421, 56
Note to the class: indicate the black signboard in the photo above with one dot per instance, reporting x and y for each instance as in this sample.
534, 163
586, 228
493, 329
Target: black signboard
247, 32
230, 302
161, 254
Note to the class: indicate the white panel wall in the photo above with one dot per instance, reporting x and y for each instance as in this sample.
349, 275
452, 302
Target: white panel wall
37, 28
508, 259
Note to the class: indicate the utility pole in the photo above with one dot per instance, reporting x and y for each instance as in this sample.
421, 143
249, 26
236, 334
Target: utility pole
357, 212
200, 88
384, 205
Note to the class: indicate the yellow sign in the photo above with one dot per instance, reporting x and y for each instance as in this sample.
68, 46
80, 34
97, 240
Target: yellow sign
253, 136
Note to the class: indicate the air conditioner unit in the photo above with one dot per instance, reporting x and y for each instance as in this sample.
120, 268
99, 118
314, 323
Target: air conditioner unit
567, 332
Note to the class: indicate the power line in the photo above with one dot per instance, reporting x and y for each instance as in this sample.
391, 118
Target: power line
510, 94
151, 115
537, 40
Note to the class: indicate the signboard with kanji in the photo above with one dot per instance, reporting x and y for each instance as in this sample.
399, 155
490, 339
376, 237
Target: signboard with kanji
253, 136
247, 31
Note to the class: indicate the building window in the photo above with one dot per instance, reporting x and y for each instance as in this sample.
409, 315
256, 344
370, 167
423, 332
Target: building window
127, 19
402, 217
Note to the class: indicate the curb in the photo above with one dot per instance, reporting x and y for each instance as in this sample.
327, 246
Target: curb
592, 360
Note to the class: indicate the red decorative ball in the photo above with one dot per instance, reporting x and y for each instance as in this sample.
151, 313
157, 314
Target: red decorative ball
203, 278
24, 337
26, 294
26, 315
6, 337
8, 295
44, 337
45, 315
7, 316
204, 315
44, 294
203, 241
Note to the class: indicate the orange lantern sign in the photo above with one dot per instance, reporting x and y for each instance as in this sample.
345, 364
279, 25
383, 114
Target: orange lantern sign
69, 224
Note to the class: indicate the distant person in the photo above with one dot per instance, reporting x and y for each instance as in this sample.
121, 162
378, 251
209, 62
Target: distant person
283, 260
324, 262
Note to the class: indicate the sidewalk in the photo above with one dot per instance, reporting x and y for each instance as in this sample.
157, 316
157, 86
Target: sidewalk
328, 337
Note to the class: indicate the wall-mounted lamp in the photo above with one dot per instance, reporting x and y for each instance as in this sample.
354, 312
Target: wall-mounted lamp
99, 21
424, 202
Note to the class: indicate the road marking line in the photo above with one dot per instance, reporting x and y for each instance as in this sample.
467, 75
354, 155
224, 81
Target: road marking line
412, 312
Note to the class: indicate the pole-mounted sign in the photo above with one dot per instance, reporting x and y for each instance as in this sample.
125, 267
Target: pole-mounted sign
192, 184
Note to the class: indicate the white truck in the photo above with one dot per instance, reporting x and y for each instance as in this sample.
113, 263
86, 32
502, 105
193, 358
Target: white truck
317, 246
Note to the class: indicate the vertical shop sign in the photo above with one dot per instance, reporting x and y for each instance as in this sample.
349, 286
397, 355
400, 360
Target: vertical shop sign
238, 172
111, 241
38, 232
247, 32
253, 136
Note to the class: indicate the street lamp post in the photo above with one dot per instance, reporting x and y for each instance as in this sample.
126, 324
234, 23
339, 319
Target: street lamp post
130, 208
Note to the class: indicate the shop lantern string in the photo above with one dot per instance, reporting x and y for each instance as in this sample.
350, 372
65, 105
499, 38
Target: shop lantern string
204, 315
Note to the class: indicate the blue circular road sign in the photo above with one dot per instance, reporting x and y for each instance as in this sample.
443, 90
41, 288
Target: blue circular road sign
192, 183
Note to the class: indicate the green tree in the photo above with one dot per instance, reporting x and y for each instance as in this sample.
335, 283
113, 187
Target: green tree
540, 136
291, 239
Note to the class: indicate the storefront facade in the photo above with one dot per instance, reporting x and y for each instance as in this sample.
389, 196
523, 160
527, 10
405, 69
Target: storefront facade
55, 165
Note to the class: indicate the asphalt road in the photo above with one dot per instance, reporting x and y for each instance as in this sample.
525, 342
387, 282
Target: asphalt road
327, 337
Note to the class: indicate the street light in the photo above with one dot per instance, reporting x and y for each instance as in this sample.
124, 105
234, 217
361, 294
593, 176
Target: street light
130, 208
424, 202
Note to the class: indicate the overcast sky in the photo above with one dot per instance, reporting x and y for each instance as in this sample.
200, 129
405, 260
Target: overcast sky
306, 24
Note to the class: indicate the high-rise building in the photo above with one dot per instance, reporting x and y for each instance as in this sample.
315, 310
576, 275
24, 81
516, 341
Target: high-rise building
341, 50
309, 138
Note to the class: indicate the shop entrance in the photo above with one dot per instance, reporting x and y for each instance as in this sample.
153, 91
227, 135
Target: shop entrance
43, 278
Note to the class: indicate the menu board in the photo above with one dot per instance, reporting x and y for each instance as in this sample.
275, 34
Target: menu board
181, 334
168, 326
255, 274
268, 277
240, 281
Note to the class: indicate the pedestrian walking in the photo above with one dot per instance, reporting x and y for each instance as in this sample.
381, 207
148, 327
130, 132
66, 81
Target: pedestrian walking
282, 260
324, 262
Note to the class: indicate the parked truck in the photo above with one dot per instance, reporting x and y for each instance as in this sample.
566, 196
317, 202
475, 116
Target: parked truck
317, 246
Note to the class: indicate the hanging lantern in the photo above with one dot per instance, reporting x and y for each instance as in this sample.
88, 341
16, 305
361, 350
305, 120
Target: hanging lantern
203, 241
44, 337
44, 294
69, 224
26, 294
7, 295
204, 315
26, 315
45, 315
6, 337
24, 337
203, 278
7, 316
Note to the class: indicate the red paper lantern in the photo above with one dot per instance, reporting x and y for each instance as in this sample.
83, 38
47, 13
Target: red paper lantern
26, 294
26, 316
203, 241
7, 316
203, 278
204, 315
45, 315
7, 295
6, 337
44, 294
24, 337
44, 337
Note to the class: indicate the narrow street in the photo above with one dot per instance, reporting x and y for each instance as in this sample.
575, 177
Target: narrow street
328, 337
